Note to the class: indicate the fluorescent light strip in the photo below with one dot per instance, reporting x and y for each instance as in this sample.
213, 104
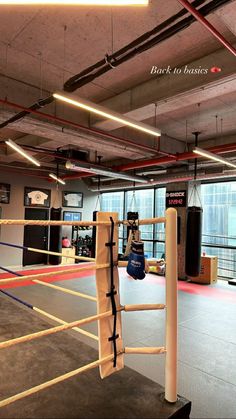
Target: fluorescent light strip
22, 152
76, 2
104, 172
57, 179
106, 113
212, 156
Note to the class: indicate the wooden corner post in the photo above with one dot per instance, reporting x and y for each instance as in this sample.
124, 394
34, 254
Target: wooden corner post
108, 294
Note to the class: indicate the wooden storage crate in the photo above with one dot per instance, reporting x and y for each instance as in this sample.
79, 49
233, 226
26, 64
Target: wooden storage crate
67, 251
208, 273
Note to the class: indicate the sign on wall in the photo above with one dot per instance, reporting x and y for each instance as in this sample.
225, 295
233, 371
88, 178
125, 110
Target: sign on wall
176, 199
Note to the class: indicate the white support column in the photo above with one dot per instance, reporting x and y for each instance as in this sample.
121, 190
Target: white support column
171, 306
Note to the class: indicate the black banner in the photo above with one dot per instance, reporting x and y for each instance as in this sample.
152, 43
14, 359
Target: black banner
176, 199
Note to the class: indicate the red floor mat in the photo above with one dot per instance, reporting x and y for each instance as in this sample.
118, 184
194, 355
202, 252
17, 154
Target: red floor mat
220, 291
55, 278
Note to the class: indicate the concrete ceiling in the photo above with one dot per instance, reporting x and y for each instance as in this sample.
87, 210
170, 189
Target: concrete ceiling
40, 48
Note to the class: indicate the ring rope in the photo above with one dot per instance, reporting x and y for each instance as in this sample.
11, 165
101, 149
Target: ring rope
50, 316
47, 252
58, 320
46, 284
56, 380
145, 221
53, 223
66, 290
9, 271
52, 330
53, 273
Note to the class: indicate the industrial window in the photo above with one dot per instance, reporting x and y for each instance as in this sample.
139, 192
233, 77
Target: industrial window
219, 225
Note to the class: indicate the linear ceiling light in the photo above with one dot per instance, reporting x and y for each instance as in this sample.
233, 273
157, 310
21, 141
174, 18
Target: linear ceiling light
103, 171
77, 2
57, 179
106, 113
213, 156
23, 153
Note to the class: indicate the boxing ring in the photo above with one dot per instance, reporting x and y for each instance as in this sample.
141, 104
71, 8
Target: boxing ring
110, 343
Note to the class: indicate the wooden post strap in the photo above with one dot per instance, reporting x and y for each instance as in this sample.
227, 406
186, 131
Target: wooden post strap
141, 307
146, 350
124, 263
146, 221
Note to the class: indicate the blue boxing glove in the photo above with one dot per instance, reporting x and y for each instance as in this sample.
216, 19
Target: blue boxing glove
136, 262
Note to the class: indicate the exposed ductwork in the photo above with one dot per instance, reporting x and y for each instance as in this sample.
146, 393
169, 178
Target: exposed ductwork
95, 133
104, 171
180, 177
226, 148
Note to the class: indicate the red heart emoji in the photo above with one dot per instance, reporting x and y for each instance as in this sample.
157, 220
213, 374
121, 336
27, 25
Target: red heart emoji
215, 69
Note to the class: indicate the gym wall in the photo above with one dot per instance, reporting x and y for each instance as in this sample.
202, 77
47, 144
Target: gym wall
15, 210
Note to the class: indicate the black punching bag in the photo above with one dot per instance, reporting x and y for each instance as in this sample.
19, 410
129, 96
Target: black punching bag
193, 241
55, 241
93, 247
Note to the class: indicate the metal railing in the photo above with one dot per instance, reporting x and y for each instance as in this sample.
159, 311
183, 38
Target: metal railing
224, 252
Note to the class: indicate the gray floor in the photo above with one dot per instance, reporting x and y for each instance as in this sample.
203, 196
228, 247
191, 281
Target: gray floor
207, 336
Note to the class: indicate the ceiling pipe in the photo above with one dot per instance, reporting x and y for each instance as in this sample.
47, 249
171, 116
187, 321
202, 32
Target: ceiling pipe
172, 179
226, 148
208, 25
86, 129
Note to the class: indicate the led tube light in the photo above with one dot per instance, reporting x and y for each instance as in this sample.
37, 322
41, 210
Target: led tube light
212, 156
76, 2
22, 152
57, 179
103, 171
106, 113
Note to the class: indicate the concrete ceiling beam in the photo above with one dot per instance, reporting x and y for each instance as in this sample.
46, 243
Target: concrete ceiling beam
172, 91
63, 136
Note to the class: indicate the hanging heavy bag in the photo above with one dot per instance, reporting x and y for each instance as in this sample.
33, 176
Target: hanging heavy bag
136, 262
55, 242
193, 241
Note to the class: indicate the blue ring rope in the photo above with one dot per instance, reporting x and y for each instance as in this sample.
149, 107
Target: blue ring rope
17, 299
11, 295
10, 272
16, 246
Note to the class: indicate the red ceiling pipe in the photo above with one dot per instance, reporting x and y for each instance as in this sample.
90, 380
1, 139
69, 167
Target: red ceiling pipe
208, 25
90, 130
226, 148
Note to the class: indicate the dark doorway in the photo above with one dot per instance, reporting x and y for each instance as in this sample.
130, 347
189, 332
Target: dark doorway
35, 236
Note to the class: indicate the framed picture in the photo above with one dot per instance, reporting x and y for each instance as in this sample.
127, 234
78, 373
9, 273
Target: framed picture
72, 216
5, 193
72, 199
37, 197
